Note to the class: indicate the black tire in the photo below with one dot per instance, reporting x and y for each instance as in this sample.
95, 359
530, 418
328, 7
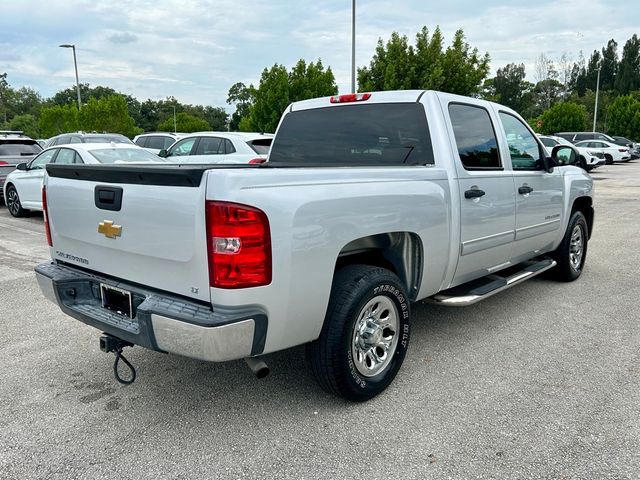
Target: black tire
608, 159
13, 202
333, 361
569, 267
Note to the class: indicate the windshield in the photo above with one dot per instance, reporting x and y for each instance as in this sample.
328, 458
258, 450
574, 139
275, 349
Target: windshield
372, 134
261, 145
15, 148
124, 155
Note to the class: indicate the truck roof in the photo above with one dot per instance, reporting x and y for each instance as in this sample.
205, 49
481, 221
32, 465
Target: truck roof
391, 96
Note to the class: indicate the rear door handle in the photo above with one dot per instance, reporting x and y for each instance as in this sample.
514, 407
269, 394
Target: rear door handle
474, 193
523, 190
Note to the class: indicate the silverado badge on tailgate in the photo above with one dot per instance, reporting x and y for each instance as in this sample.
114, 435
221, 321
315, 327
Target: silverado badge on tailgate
109, 230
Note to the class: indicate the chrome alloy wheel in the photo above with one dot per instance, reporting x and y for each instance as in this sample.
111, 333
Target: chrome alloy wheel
375, 336
13, 202
576, 248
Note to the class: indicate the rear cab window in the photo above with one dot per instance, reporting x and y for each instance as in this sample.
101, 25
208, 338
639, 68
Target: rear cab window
354, 135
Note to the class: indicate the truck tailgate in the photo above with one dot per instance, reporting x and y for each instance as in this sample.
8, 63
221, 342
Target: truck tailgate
156, 238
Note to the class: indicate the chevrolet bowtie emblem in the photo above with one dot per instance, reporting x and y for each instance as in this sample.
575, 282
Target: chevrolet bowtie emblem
109, 230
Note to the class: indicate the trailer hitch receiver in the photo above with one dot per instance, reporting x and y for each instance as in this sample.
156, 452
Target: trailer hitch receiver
109, 343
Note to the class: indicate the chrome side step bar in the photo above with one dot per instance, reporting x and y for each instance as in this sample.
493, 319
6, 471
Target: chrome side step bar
485, 287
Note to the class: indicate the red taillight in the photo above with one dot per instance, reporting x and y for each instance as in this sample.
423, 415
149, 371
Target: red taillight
253, 161
2, 162
45, 211
350, 97
239, 245
622, 149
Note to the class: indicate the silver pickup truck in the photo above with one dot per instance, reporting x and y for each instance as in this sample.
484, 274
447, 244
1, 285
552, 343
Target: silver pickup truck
368, 202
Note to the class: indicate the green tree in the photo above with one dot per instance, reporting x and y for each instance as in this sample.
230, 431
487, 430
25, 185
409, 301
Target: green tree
397, 65
184, 123
108, 114
59, 119
624, 117
242, 97
278, 88
564, 116
27, 123
628, 77
609, 65
510, 88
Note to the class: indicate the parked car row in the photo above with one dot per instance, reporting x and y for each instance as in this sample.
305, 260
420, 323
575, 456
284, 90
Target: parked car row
22, 159
614, 149
23, 186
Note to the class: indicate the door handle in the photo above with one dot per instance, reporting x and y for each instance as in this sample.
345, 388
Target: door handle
525, 189
474, 193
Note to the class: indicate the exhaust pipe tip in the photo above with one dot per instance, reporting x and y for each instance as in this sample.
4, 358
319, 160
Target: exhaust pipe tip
259, 368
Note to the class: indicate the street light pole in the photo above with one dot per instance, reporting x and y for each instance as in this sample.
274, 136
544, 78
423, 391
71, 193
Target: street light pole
75, 64
595, 110
353, 46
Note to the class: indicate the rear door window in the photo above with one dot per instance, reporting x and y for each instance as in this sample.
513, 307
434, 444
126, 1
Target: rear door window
354, 135
210, 146
66, 156
228, 146
475, 137
156, 142
141, 141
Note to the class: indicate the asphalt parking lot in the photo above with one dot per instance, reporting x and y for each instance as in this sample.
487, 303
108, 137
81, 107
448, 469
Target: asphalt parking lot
540, 381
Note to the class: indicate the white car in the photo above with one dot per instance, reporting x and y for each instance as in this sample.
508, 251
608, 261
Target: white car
611, 151
23, 187
590, 158
219, 147
156, 141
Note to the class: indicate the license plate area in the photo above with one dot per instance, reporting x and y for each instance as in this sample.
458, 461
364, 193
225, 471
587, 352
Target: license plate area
117, 300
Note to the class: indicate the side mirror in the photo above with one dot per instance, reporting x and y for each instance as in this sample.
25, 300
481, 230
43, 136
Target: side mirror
163, 153
22, 166
563, 155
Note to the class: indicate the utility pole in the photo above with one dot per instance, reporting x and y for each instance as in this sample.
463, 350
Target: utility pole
353, 46
595, 110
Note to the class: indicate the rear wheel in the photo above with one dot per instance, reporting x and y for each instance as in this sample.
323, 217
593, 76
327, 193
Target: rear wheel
608, 159
13, 202
572, 252
365, 334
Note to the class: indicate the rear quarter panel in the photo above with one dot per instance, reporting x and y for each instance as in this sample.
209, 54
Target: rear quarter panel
313, 214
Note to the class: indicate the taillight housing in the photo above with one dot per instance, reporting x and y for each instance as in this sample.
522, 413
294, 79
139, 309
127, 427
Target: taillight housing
350, 97
258, 160
238, 244
2, 162
45, 212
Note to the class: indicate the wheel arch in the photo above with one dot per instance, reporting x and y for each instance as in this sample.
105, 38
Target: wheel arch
399, 252
585, 205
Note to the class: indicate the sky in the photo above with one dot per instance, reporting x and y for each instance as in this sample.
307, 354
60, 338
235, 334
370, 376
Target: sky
195, 50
